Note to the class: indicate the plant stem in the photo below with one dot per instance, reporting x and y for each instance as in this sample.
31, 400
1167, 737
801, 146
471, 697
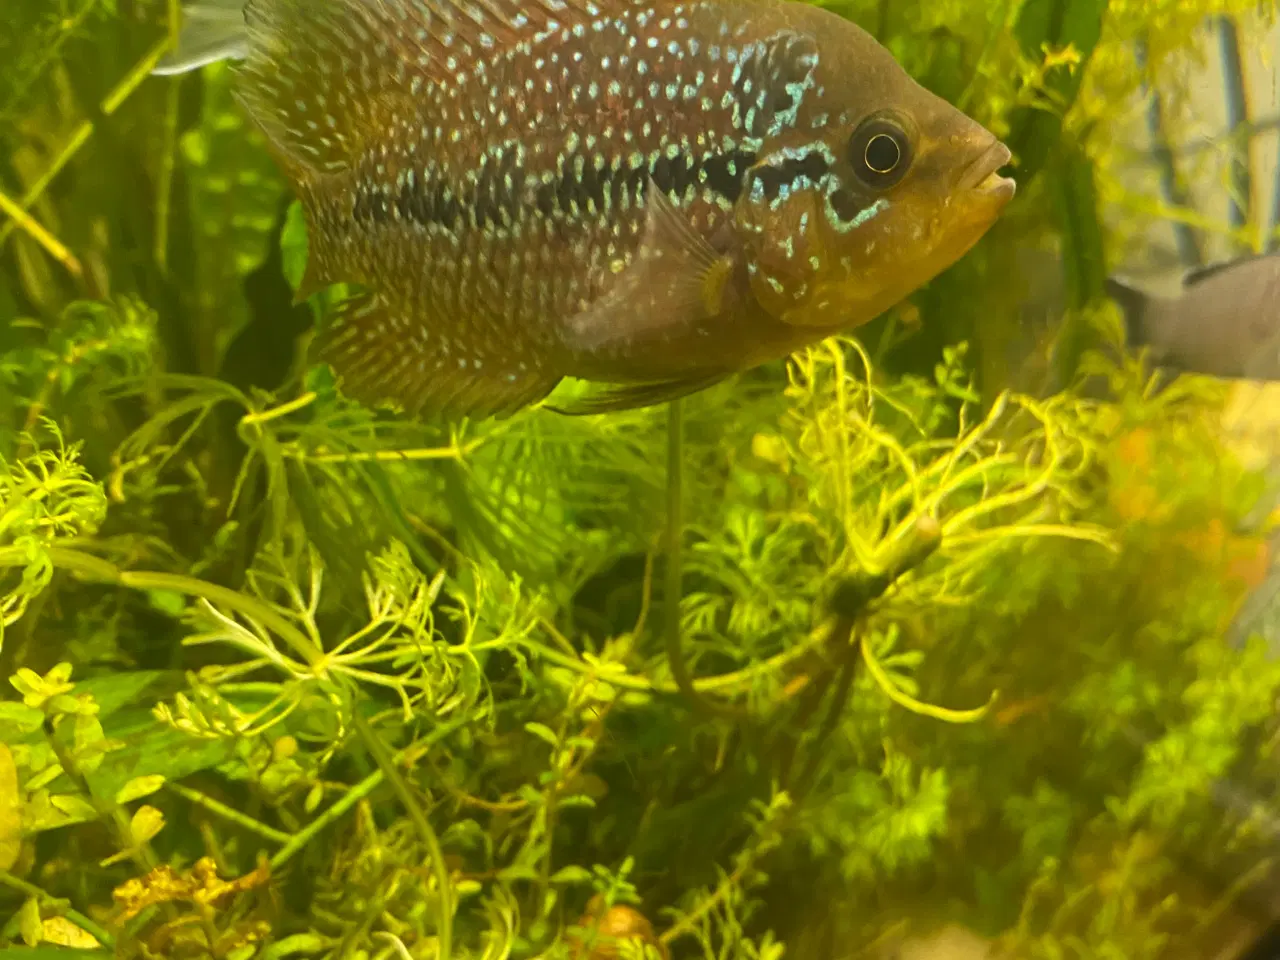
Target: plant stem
675, 530
123, 90
1237, 109
169, 144
339, 808
52, 245
60, 906
428, 836
229, 813
895, 693
95, 568
835, 709
298, 943
352, 797
688, 922
140, 853
674, 580
389, 456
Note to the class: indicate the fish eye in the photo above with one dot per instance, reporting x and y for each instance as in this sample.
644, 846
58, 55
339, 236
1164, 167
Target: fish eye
880, 153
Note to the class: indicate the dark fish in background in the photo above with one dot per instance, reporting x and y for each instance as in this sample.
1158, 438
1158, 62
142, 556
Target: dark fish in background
1225, 323
635, 192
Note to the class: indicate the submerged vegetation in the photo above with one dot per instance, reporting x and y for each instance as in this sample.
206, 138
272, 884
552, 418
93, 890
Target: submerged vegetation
293, 678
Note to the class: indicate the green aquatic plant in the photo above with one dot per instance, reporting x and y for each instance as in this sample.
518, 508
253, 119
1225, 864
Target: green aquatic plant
291, 677
48, 497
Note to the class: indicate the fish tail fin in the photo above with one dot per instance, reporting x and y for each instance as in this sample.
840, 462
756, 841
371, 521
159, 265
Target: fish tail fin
212, 30
1133, 306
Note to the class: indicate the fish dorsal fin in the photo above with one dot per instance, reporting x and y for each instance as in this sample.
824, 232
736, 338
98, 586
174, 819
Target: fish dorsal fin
1201, 274
614, 399
322, 76
381, 359
675, 278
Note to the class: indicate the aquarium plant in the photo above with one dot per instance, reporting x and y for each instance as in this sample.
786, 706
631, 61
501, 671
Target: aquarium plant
877, 641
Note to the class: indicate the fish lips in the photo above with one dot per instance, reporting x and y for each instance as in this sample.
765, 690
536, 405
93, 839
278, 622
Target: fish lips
982, 177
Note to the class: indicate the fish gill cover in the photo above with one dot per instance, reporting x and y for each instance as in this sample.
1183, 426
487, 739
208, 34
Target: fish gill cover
294, 677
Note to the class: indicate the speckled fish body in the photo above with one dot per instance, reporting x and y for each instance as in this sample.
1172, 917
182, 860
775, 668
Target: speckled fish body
628, 191
1225, 322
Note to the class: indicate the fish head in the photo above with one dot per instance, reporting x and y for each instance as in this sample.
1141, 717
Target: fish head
877, 188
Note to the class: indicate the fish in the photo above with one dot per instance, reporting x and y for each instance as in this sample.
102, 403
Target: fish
1224, 323
647, 195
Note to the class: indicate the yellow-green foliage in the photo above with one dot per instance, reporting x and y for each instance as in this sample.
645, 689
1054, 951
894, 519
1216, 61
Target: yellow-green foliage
295, 678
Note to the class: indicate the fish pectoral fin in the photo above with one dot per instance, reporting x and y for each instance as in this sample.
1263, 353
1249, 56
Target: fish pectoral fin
674, 279
687, 274
381, 359
634, 396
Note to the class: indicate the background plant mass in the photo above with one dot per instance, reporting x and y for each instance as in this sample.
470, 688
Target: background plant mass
293, 678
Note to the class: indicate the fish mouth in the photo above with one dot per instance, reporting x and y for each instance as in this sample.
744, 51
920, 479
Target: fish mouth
982, 177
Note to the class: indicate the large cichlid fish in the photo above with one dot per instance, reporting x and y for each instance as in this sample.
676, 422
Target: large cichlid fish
1224, 323
642, 193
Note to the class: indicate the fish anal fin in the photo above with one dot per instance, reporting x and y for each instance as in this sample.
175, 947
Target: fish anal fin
616, 398
674, 279
380, 358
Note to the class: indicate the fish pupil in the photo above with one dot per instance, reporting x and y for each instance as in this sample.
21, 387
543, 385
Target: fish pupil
883, 153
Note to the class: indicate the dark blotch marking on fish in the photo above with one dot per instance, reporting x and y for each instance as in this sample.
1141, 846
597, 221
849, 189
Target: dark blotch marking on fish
726, 174
812, 167
496, 197
846, 206
419, 200
490, 199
